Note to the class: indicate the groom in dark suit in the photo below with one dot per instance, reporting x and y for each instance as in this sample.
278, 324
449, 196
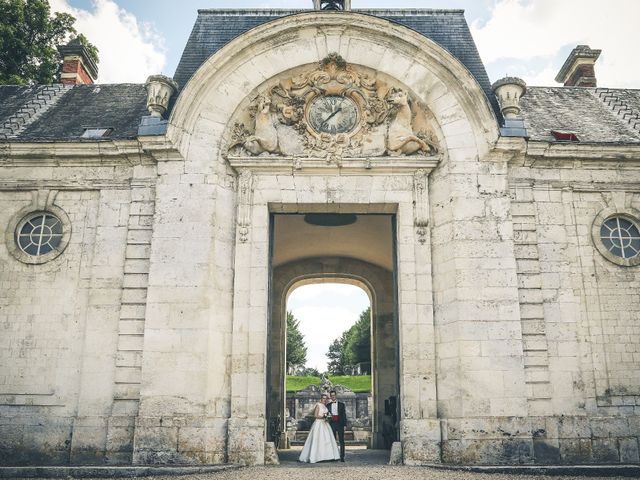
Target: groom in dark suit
338, 414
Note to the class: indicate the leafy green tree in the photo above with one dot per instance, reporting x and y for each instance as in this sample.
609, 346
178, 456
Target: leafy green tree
358, 346
296, 349
337, 361
29, 35
353, 346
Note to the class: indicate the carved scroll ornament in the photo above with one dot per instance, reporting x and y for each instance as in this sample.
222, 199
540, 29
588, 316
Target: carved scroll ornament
333, 111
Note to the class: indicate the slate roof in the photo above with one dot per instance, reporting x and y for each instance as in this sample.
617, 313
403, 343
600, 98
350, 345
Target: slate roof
12, 97
61, 112
595, 115
215, 28
65, 115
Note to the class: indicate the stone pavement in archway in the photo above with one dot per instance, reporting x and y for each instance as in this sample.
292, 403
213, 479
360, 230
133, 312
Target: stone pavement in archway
355, 457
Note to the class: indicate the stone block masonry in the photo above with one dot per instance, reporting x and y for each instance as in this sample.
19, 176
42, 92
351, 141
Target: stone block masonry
504, 332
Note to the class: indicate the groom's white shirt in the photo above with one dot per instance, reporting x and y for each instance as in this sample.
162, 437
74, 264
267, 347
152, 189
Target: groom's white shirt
334, 408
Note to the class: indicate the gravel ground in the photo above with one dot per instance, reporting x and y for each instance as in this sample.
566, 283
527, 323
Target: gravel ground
360, 465
375, 472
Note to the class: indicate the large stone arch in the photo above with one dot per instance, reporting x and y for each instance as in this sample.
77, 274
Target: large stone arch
379, 285
211, 96
208, 281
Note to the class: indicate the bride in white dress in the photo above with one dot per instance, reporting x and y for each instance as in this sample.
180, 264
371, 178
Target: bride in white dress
321, 443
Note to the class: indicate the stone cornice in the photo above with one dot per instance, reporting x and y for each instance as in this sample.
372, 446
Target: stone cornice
144, 151
508, 149
77, 154
608, 155
160, 149
347, 166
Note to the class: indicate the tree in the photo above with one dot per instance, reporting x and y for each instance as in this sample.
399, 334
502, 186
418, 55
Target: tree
358, 346
309, 372
296, 349
353, 346
336, 357
29, 35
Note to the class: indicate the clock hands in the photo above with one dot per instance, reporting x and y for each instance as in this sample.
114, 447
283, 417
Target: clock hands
333, 114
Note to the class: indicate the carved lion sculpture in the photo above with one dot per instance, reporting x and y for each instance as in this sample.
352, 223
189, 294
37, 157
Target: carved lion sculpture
265, 138
400, 137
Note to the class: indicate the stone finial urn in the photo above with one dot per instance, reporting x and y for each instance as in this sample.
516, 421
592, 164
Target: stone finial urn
509, 90
160, 89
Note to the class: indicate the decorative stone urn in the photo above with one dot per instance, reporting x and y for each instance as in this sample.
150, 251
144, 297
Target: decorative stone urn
160, 88
509, 90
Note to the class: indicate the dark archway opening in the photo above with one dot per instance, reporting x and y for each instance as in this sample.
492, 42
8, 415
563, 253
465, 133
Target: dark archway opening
361, 253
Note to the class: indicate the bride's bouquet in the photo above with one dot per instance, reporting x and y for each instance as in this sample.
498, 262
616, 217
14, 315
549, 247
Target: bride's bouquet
328, 418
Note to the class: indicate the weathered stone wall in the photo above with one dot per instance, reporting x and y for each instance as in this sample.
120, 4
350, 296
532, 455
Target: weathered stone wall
69, 342
146, 340
578, 310
43, 315
185, 399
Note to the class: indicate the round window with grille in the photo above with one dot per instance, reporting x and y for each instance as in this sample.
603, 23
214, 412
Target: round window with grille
616, 235
40, 234
621, 237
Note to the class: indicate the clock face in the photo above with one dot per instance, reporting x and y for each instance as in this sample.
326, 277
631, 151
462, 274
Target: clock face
333, 114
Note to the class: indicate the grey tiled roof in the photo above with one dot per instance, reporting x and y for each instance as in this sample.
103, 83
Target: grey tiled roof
12, 97
117, 106
593, 114
215, 28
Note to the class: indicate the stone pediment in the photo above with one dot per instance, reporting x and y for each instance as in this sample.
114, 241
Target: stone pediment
332, 112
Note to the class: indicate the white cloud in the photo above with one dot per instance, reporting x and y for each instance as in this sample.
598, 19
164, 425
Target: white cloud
130, 50
322, 291
325, 311
525, 29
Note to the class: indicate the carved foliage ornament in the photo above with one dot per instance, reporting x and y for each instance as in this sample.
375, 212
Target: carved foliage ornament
333, 111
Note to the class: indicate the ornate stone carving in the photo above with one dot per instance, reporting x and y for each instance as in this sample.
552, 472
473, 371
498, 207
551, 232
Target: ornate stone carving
245, 194
265, 138
421, 204
400, 137
333, 111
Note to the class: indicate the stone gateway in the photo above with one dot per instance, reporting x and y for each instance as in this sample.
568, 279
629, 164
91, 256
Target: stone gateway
152, 234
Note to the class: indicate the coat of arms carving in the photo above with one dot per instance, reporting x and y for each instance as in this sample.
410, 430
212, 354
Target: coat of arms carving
333, 111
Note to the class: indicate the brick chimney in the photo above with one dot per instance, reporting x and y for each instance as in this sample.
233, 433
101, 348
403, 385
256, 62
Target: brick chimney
578, 70
77, 65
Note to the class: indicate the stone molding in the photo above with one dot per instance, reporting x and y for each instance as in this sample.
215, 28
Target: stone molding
75, 154
626, 155
356, 166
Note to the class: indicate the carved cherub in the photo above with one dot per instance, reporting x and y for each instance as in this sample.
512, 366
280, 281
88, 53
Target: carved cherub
400, 137
265, 137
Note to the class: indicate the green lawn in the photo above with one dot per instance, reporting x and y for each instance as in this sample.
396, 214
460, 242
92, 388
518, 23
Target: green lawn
359, 384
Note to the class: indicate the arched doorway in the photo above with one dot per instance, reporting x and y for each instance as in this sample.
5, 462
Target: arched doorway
432, 197
302, 253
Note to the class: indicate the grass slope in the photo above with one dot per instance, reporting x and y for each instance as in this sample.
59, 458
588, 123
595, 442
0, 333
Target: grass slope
359, 384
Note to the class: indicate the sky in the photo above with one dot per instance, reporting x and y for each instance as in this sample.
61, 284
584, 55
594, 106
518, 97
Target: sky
529, 39
325, 311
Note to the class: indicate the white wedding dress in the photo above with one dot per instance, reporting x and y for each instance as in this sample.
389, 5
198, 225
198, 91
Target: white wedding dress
321, 443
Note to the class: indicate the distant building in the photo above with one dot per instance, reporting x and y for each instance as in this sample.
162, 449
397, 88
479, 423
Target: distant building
152, 233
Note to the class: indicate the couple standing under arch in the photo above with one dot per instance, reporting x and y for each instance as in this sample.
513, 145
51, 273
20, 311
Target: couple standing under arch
330, 419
